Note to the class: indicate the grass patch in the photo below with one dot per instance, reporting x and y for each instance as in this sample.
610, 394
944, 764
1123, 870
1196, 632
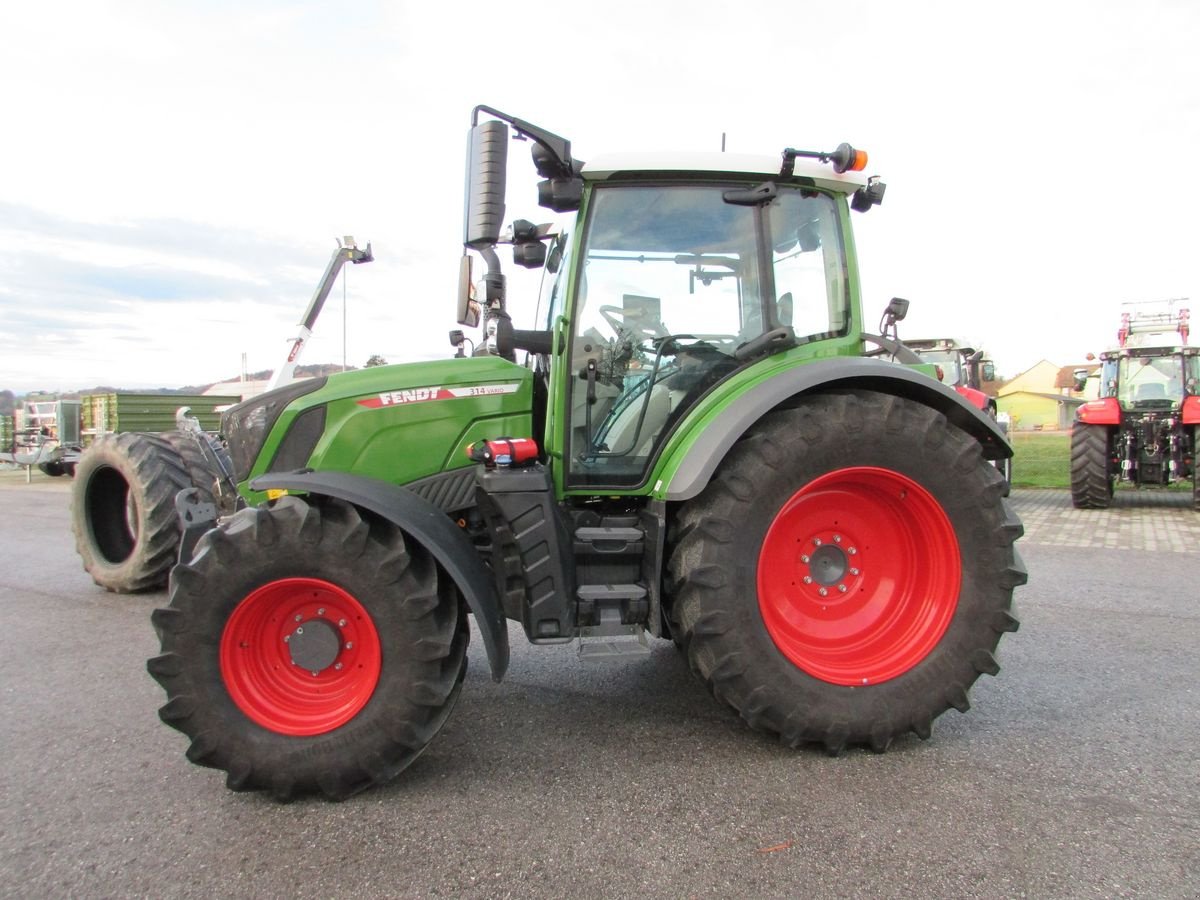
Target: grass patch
1041, 459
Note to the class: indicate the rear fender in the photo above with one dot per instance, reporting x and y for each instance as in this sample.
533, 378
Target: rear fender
431, 528
1191, 411
693, 459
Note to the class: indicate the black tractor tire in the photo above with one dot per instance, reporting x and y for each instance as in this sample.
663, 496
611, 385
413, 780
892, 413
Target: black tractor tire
858, 490
123, 509
1092, 478
347, 707
203, 470
1196, 468
54, 469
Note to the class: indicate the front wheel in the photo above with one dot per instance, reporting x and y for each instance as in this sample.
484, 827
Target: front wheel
306, 649
846, 576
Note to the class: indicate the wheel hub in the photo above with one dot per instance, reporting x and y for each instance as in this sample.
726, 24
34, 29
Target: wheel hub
314, 645
831, 563
828, 564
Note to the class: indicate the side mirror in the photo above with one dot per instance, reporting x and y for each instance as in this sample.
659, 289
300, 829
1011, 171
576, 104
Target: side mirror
468, 306
989, 370
1080, 377
487, 168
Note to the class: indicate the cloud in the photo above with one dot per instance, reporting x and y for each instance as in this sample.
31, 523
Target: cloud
176, 173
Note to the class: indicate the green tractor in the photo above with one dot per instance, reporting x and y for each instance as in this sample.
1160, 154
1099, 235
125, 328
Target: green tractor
695, 448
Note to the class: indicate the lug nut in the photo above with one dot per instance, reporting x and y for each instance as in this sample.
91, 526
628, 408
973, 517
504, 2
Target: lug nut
299, 617
803, 558
841, 588
837, 538
817, 541
822, 592
338, 666
854, 571
349, 645
341, 623
808, 579
851, 550
286, 638
321, 611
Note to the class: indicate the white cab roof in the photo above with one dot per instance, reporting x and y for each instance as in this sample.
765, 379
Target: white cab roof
767, 167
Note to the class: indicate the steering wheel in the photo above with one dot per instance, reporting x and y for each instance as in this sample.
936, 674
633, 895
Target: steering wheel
625, 322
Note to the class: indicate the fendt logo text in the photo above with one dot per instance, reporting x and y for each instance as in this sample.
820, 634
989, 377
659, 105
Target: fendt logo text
436, 392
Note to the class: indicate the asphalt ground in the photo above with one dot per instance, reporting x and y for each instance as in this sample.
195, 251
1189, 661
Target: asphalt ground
1076, 774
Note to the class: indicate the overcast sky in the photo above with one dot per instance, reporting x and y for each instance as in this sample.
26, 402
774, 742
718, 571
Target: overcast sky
174, 175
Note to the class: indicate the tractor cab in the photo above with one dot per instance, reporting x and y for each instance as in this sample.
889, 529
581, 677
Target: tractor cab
680, 273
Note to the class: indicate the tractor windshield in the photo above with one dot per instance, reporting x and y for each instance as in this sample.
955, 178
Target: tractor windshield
670, 287
1151, 382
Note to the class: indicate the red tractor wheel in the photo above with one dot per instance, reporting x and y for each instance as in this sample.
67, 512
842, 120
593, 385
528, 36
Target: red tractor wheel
847, 574
300, 656
308, 650
858, 576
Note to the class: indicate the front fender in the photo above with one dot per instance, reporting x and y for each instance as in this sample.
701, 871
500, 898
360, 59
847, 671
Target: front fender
693, 458
431, 528
1106, 411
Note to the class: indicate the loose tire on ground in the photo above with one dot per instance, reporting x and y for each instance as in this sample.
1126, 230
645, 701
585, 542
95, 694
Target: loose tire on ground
846, 576
123, 509
306, 649
1091, 469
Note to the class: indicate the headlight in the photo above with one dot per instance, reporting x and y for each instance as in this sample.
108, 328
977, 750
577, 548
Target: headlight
247, 425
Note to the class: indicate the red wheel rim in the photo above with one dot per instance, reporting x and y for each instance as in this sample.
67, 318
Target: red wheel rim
290, 683
858, 576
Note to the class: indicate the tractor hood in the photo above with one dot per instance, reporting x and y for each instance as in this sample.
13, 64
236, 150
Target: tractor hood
400, 423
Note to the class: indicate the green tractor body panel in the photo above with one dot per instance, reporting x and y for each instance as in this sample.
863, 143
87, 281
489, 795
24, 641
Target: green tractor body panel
399, 423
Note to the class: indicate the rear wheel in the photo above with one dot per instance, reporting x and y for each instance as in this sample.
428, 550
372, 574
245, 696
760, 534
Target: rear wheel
306, 649
123, 509
1091, 467
848, 573
1196, 468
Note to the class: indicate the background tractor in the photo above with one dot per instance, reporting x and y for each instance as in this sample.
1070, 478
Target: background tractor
961, 367
1143, 429
965, 369
694, 447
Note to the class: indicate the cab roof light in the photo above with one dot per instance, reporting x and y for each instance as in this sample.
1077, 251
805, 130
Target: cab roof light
844, 159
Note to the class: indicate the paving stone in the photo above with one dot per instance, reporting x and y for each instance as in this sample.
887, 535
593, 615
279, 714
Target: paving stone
1137, 520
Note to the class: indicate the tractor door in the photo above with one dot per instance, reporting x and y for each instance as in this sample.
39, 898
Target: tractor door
674, 285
